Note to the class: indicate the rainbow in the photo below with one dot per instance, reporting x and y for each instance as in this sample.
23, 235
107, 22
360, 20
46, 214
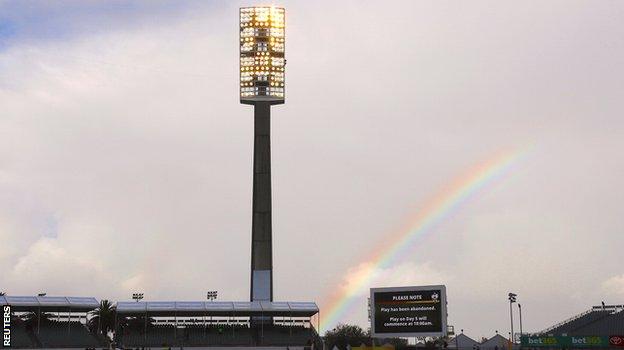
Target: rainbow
399, 244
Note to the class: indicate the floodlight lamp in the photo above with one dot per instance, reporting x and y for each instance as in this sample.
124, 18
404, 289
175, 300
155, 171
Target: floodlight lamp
262, 54
212, 295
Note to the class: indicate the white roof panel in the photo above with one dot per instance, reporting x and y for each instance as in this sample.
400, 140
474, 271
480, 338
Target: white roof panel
219, 305
240, 308
130, 306
23, 300
161, 306
51, 303
190, 305
303, 305
274, 306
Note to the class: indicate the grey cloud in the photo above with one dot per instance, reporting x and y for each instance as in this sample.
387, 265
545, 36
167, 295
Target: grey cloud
134, 141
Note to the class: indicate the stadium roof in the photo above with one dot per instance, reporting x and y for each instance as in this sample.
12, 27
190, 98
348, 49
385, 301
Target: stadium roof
33, 303
496, 342
598, 321
464, 342
218, 308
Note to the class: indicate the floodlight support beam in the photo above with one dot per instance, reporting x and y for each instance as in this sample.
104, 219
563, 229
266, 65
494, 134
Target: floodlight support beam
520, 310
261, 231
511, 338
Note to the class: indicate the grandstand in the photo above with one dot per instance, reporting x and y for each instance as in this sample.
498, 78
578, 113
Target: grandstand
64, 334
61, 322
598, 321
51, 322
209, 324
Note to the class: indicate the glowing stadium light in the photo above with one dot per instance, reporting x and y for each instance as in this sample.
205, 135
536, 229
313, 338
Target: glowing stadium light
262, 62
137, 296
211, 295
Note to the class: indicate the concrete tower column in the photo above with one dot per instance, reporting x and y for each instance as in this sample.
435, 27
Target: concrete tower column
261, 231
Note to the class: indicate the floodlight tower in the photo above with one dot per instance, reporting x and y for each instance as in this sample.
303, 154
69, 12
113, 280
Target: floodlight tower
262, 64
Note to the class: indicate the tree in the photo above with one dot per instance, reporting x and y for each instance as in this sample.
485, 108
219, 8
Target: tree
398, 343
346, 334
102, 319
438, 343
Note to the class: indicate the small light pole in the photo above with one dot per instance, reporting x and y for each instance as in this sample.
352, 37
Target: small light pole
520, 310
370, 324
39, 313
210, 295
137, 296
512, 299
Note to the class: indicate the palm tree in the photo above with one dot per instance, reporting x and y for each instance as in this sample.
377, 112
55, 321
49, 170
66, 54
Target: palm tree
102, 319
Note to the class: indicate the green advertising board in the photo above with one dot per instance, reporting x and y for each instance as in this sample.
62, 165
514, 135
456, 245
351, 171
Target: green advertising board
565, 342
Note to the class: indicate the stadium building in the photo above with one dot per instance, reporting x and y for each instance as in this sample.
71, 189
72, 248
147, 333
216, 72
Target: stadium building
52, 322
69, 322
463, 342
225, 324
598, 321
599, 327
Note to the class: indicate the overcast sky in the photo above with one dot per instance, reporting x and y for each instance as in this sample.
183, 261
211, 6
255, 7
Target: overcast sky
125, 156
